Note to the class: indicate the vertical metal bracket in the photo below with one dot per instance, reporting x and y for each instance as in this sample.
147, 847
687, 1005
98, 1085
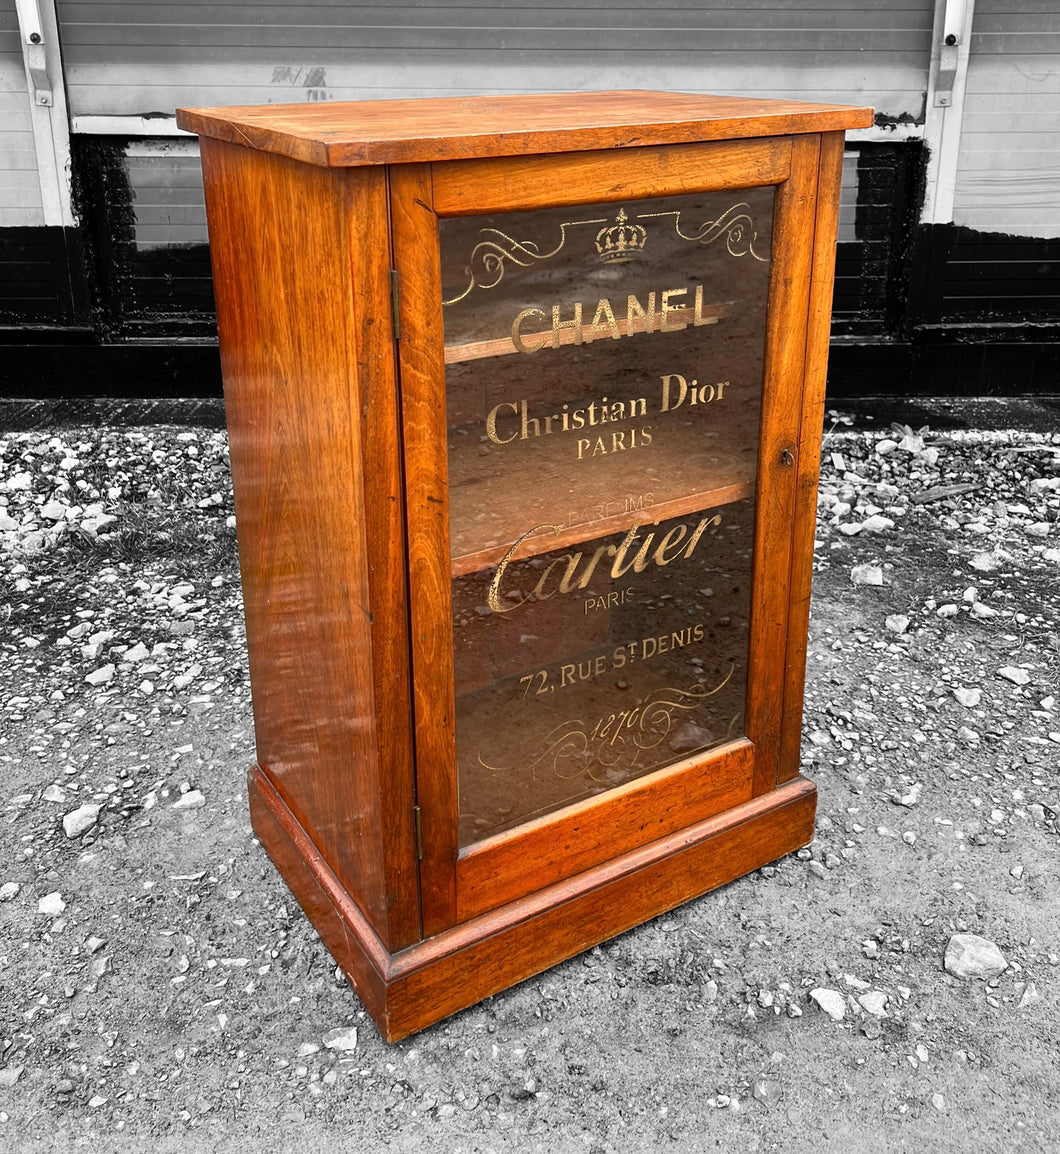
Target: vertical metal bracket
38, 35
951, 42
951, 49
31, 30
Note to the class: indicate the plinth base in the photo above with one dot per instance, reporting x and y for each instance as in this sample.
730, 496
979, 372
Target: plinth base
407, 991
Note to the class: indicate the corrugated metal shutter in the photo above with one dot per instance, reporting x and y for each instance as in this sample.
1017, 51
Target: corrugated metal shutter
1008, 172
20, 198
143, 56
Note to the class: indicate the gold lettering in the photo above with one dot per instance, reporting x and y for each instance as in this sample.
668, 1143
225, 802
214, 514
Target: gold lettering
697, 312
587, 576
558, 326
491, 423
693, 541
619, 568
673, 538
676, 544
636, 313
670, 314
527, 422
517, 338
667, 309
680, 383
604, 319
493, 599
572, 564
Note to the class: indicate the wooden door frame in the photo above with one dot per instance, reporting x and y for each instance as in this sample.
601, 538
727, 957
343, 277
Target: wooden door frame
456, 886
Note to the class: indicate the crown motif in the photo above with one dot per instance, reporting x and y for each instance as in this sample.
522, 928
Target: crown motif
621, 241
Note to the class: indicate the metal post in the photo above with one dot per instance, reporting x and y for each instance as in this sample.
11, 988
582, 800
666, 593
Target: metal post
39, 40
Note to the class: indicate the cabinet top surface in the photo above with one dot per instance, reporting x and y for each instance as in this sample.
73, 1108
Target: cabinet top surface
347, 134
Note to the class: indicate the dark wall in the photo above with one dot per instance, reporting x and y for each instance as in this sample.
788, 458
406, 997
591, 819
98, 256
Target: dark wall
929, 310
138, 293
41, 277
872, 272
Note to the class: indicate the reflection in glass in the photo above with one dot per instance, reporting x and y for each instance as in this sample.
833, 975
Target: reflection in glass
603, 388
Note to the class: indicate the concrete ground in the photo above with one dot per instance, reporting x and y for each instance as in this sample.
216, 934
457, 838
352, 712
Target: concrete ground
160, 989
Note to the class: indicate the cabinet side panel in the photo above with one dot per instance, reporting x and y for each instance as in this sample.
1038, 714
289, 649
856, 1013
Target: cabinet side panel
809, 455
282, 273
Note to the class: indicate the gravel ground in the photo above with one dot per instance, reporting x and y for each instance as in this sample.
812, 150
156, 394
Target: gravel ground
895, 986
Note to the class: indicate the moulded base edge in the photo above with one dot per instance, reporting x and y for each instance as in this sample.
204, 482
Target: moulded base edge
418, 986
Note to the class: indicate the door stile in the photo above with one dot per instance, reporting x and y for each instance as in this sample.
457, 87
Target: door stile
422, 376
375, 410
809, 456
795, 212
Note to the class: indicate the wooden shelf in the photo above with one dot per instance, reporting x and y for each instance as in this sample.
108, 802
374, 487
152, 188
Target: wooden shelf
686, 468
458, 354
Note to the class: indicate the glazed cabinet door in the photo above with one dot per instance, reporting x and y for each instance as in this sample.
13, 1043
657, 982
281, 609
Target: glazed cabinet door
601, 361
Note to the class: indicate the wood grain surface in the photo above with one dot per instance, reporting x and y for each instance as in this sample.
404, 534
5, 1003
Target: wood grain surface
544, 851
374, 401
454, 128
349, 937
410, 990
809, 454
290, 331
493, 952
341, 471
479, 186
781, 415
511, 861
416, 258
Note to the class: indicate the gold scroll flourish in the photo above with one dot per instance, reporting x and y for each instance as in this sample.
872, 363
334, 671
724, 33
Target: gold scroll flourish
734, 224
485, 266
489, 258
571, 750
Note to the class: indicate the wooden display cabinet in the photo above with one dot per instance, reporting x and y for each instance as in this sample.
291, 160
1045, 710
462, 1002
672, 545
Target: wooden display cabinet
524, 400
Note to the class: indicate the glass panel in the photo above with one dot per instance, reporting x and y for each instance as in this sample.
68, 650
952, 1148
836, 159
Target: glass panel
603, 392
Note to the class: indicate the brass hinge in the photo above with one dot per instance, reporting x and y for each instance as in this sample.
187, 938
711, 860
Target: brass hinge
395, 303
419, 832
